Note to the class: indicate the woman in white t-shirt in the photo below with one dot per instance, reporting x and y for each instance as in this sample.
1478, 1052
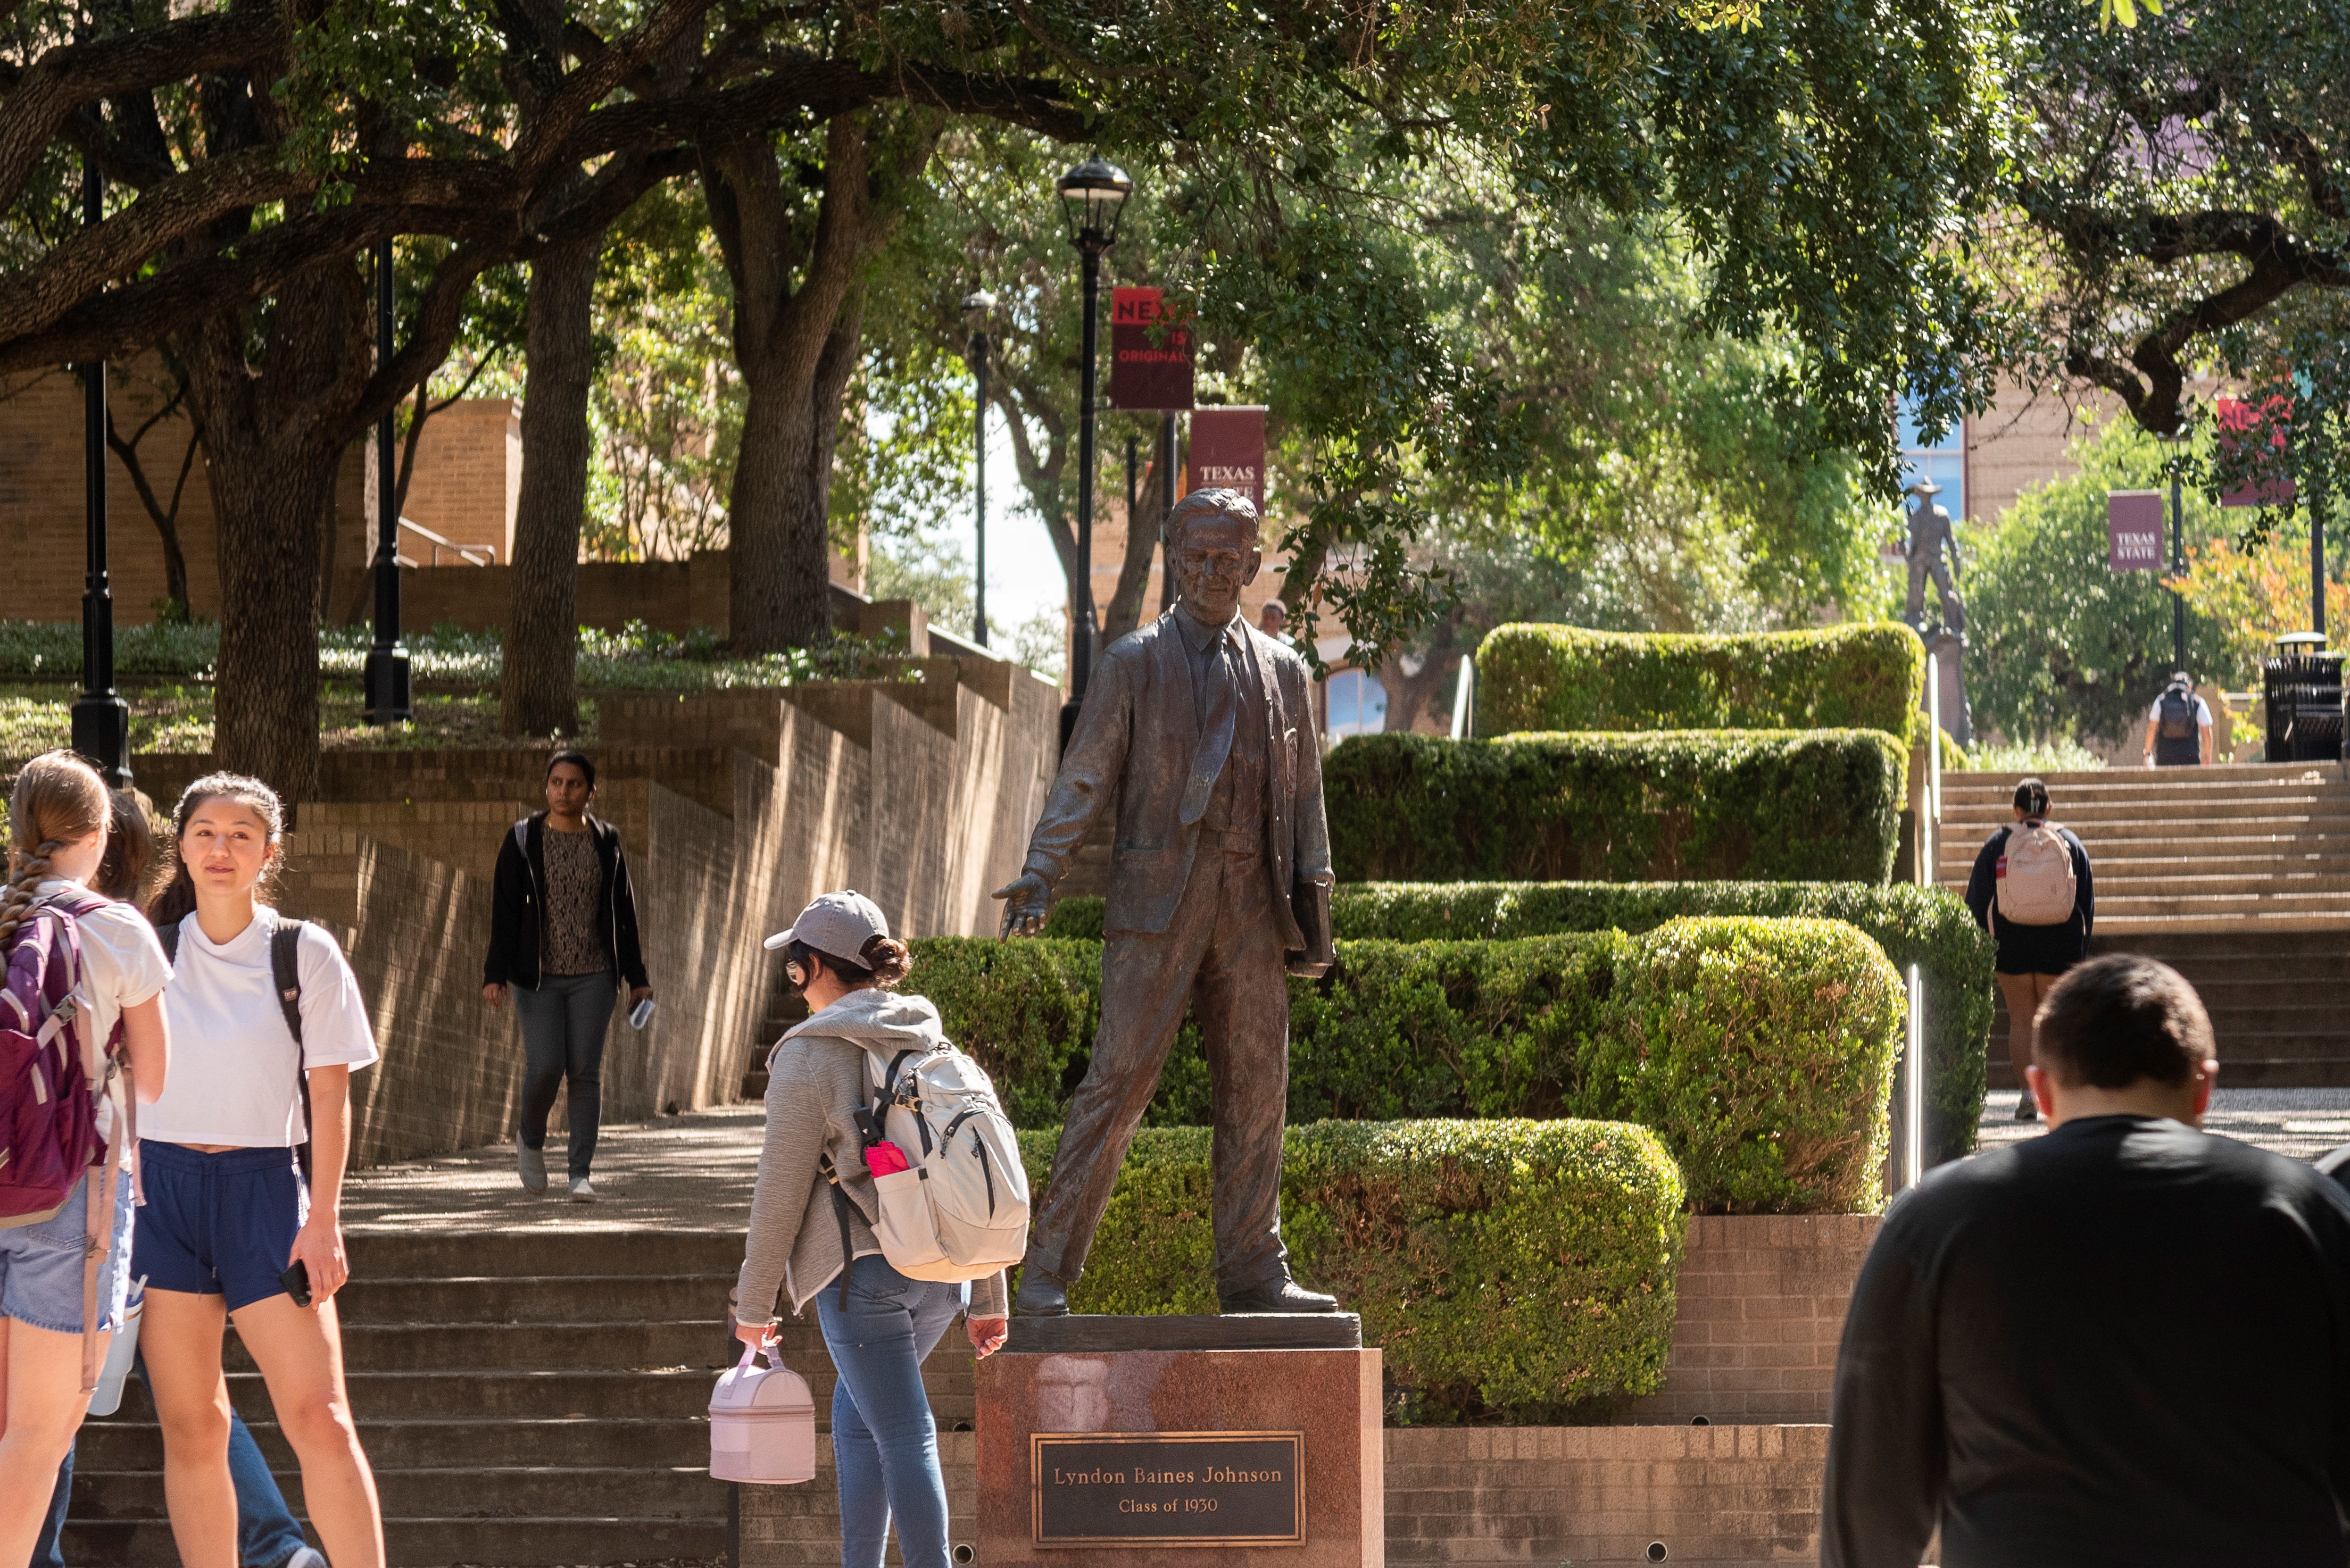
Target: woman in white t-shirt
229, 1216
58, 814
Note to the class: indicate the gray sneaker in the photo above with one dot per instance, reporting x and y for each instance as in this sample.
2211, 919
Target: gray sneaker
532, 1162
308, 1557
2027, 1109
581, 1190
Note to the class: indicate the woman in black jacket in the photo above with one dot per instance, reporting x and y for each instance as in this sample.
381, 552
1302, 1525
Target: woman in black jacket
563, 932
2030, 957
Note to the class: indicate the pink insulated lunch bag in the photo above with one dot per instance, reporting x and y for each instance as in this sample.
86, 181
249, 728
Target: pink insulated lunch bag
762, 1423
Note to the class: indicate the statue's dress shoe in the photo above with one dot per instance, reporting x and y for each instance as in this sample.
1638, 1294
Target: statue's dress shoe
1041, 1295
1281, 1295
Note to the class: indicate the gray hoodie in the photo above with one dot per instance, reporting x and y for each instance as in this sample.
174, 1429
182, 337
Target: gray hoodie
815, 1084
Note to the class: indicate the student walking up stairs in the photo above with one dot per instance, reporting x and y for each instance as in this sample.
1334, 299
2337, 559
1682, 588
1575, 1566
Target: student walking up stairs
2237, 876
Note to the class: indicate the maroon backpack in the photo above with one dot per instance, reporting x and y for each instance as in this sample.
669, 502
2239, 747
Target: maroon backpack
52, 1077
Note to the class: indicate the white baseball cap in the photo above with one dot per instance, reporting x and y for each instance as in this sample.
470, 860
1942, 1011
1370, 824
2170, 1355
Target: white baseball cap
838, 923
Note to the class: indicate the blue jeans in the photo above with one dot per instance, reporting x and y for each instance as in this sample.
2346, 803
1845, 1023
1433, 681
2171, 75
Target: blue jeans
563, 1025
885, 1446
266, 1535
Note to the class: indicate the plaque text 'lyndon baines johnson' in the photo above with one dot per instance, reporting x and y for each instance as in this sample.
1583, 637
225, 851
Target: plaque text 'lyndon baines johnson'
1169, 1488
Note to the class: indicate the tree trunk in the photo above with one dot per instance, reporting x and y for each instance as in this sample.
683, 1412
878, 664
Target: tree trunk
1142, 531
269, 498
265, 392
798, 327
540, 688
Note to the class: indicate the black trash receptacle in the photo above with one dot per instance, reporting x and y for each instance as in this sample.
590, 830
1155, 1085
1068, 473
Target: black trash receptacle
2302, 685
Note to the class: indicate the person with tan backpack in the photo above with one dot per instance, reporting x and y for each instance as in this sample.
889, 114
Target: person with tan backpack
2032, 890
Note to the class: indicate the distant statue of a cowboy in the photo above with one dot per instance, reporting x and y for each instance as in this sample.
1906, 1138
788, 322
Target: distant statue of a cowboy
1931, 533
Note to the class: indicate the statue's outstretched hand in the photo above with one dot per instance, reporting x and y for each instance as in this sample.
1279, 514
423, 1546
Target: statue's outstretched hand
1025, 901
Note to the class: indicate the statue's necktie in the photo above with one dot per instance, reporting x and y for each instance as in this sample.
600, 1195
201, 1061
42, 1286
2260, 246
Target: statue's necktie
1215, 731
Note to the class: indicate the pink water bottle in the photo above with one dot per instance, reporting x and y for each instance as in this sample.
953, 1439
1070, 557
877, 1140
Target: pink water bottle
762, 1423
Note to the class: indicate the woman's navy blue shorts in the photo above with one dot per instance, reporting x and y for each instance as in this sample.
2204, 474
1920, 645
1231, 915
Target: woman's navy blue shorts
218, 1224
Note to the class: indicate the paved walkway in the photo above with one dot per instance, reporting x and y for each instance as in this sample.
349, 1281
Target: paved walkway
688, 1172
693, 1172
2303, 1123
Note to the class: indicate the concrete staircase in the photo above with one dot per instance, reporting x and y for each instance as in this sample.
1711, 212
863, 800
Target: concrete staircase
525, 1399
2238, 876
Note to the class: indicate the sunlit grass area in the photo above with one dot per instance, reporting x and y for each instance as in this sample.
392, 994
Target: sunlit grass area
178, 717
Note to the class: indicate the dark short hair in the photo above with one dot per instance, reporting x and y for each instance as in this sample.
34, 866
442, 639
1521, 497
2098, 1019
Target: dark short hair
579, 760
2031, 798
2114, 1021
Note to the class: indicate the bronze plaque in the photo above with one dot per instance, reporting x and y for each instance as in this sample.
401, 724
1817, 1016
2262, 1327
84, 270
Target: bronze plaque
1168, 1489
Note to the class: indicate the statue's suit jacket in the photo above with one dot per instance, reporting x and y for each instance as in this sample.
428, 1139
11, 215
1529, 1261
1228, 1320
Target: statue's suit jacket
1133, 745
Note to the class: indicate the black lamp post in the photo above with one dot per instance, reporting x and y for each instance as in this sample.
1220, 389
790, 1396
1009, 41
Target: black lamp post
1091, 196
975, 309
387, 661
101, 720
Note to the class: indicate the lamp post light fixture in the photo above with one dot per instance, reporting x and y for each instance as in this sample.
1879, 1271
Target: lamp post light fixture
976, 308
101, 720
1092, 195
387, 661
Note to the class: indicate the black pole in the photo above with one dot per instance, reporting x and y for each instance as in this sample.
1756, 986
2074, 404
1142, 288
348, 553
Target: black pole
1092, 244
101, 720
1133, 499
2178, 569
2317, 546
1168, 479
387, 661
979, 495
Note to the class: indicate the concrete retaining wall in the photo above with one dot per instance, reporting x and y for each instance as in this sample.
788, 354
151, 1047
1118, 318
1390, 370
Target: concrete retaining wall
735, 809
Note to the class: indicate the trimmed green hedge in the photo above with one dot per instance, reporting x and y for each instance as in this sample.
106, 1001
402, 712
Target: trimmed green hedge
1518, 1272
1804, 1036
1762, 805
1564, 677
1929, 927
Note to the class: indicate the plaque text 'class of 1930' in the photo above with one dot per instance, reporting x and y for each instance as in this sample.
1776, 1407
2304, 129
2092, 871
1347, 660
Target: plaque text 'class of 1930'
1169, 1488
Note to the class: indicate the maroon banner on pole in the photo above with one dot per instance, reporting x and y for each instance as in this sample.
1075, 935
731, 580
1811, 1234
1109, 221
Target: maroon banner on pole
2252, 446
1150, 360
1227, 451
2134, 530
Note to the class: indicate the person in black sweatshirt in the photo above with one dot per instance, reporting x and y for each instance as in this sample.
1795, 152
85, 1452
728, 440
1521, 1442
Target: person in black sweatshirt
2030, 957
2125, 1343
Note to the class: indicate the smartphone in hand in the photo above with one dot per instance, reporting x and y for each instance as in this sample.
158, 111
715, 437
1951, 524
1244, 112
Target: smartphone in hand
296, 1281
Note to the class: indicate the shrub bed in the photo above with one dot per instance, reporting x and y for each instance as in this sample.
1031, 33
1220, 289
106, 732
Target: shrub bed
1543, 1026
1512, 1271
1929, 927
1533, 677
1809, 806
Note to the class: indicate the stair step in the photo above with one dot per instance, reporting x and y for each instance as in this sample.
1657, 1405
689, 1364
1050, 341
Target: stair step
682, 1393
575, 1441
542, 1347
537, 1298
648, 1489
423, 1253
427, 1543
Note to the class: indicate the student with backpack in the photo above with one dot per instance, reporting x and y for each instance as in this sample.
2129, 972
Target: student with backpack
563, 930
266, 1533
80, 1013
2178, 726
885, 1145
2032, 890
245, 1156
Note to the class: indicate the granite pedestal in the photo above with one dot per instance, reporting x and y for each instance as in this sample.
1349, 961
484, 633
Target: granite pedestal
1182, 1441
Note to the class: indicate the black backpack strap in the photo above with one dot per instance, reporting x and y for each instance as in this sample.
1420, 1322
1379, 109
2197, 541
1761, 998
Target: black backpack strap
841, 1212
286, 974
170, 937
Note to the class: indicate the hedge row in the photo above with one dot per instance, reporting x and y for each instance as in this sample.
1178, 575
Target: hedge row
1517, 1271
1929, 927
1809, 806
1761, 1051
1565, 677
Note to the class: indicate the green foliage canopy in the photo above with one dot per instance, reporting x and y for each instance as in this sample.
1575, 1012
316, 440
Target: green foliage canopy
1567, 678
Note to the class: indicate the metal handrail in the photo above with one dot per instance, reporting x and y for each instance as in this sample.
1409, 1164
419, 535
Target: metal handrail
471, 554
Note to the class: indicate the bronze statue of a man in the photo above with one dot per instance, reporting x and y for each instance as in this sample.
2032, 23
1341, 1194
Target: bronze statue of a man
1200, 729
1930, 533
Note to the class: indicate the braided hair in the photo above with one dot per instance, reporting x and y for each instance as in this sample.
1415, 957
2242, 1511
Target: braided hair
178, 898
59, 799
